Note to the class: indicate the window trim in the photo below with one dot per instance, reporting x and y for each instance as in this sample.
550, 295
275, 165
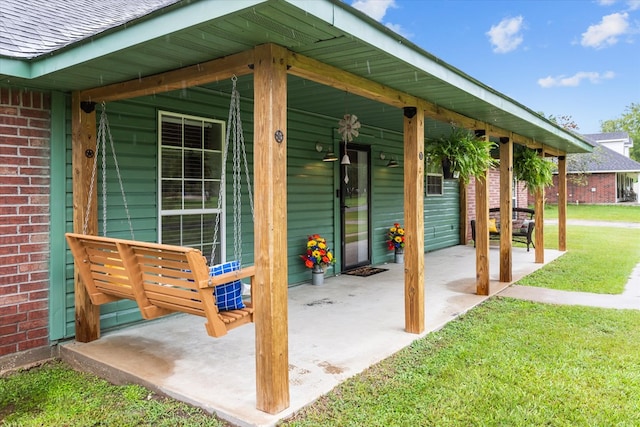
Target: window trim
433, 171
179, 118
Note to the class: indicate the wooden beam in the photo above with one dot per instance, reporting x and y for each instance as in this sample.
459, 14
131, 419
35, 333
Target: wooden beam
414, 220
270, 228
482, 230
506, 204
531, 143
562, 203
239, 64
314, 70
194, 75
83, 152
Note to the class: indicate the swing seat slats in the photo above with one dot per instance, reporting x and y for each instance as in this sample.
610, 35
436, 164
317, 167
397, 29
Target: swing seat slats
162, 279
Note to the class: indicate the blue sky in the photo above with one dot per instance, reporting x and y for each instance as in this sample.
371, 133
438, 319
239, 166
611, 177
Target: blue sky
561, 57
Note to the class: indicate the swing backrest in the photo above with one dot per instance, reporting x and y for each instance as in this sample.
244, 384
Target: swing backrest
161, 278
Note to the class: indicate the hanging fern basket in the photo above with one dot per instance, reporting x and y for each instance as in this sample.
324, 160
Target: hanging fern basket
534, 170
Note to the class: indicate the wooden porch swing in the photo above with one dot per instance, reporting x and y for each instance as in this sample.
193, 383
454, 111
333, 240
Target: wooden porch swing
164, 279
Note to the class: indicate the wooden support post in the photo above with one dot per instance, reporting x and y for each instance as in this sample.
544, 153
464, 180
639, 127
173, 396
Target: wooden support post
539, 229
83, 152
414, 219
506, 194
482, 230
562, 203
270, 228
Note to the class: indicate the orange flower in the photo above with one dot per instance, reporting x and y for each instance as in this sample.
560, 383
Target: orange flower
317, 252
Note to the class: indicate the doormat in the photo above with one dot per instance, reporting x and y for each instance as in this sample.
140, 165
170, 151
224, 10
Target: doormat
365, 271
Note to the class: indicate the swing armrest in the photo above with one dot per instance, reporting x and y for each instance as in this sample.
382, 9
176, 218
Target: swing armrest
229, 277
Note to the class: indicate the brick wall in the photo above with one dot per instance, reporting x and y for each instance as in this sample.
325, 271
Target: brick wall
494, 196
603, 183
24, 224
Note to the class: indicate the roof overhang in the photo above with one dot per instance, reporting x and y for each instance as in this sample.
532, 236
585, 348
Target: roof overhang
326, 31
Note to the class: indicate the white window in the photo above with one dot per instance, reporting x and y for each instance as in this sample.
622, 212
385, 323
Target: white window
190, 169
435, 179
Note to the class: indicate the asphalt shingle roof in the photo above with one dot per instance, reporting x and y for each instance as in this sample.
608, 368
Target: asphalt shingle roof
606, 136
603, 159
31, 28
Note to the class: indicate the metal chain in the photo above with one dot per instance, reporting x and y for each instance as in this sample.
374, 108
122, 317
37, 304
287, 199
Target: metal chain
101, 149
246, 166
85, 225
104, 178
234, 127
115, 162
237, 185
223, 177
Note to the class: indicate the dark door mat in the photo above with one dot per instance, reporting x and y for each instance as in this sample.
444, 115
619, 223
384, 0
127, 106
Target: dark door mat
365, 271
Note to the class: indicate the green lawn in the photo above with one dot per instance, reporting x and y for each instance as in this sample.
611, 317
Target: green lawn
616, 213
505, 363
598, 259
56, 395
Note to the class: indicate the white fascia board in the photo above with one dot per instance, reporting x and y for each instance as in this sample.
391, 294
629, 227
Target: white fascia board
191, 14
395, 45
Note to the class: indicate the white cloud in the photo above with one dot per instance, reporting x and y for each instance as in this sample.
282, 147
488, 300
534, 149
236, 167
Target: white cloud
506, 36
575, 80
397, 28
606, 33
633, 4
374, 8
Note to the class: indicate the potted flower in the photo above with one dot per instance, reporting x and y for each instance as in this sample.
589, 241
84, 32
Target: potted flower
396, 241
317, 257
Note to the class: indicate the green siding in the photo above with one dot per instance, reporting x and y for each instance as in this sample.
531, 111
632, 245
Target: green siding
387, 192
312, 205
311, 201
441, 217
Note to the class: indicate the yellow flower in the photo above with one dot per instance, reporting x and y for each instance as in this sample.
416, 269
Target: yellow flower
398, 239
315, 254
322, 245
392, 229
330, 256
401, 231
311, 243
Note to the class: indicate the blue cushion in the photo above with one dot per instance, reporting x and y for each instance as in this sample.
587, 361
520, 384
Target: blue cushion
229, 295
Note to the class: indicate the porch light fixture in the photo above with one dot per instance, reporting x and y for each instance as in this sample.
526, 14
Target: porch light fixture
330, 157
393, 163
382, 155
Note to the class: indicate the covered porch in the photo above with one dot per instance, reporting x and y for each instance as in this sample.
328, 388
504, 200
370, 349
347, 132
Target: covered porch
336, 331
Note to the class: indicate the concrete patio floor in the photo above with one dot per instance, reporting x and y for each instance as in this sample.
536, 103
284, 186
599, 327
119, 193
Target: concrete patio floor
336, 331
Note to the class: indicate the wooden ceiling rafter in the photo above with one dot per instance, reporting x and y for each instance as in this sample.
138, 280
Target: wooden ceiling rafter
193, 75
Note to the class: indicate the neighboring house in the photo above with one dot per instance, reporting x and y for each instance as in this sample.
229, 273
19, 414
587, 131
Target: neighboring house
606, 175
620, 142
163, 71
